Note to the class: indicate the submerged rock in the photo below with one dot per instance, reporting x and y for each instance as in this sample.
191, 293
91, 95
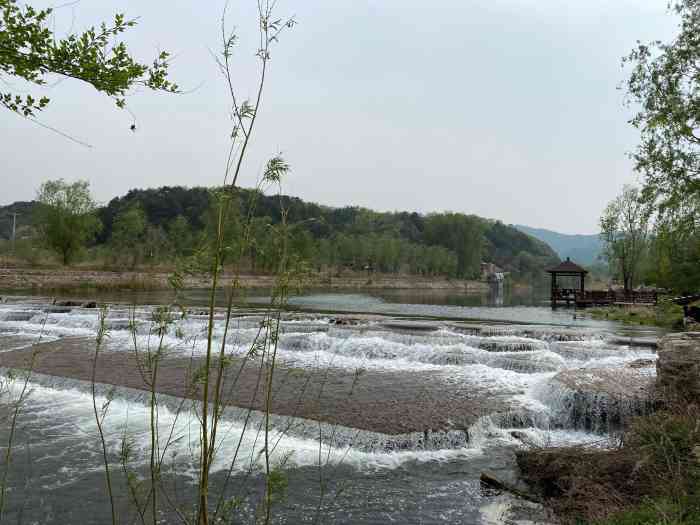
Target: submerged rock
511, 344
410, 326
641, 363
67, 303
57, 310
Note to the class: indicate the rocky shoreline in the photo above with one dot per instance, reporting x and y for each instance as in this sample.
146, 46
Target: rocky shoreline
76, 279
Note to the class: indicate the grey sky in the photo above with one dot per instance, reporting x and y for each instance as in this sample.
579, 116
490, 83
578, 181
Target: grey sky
503, 108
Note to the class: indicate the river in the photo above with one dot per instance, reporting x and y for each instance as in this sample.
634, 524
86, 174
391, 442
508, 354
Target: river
450, 385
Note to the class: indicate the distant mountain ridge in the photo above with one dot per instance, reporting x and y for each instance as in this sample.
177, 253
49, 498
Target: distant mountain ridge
584, 249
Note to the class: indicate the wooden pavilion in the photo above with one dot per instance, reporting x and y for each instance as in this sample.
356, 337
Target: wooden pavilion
576, 294
568, 295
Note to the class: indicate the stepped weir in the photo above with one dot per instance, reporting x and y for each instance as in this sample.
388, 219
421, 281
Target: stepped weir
381, 397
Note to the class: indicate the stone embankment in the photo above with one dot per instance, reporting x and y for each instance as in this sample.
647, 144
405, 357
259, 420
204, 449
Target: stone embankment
57, 278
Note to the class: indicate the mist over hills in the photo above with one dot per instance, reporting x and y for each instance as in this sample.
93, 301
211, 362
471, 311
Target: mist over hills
584, 249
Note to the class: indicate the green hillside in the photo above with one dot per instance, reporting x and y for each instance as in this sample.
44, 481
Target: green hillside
179, 220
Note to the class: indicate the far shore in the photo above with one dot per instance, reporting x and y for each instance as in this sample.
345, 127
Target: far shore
48, 279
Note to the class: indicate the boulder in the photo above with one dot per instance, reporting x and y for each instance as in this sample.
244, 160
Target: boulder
678, 367
66, 303
641, 363
57, 310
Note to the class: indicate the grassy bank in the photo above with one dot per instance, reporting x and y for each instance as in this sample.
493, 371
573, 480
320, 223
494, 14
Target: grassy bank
665, 314
653, 477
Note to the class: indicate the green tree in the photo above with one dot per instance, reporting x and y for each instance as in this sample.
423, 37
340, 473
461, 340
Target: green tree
180, 234
65, 217
461, 234
29, 50
301, 244
128, 233
675, 250
664, 86
232, 240
624, 227
156, 244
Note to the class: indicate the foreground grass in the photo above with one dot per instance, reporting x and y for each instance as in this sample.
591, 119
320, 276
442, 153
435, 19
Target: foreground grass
658, 511
653, 477
665, 314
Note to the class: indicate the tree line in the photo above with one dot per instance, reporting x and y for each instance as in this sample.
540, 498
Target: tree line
153, 226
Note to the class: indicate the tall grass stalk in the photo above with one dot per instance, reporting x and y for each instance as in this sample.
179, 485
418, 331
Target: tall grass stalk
244, 115
102, 413
211, 379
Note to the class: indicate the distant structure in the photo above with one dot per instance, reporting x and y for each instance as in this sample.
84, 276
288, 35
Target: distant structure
574, 292
491, 272
567, 295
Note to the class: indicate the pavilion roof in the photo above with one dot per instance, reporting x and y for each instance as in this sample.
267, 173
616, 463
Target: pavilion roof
567, 266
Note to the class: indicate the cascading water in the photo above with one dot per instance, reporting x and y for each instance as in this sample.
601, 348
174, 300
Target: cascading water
552, 386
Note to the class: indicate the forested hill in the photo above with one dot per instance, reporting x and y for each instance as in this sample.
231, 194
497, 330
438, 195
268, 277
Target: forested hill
584, 249
450, 244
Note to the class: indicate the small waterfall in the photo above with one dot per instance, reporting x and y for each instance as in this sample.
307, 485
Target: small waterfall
556, 370
491, 331
511, 344
70, 400
496, 294
597, 400
19, 316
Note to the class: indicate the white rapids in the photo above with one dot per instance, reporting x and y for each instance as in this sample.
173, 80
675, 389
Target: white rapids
542, 372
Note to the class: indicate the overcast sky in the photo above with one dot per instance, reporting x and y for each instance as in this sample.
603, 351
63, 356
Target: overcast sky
507, 109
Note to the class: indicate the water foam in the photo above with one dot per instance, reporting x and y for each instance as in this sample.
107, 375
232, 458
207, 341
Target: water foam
518, 362
60, 417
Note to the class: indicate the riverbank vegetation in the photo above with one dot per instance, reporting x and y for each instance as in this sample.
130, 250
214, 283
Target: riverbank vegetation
665, 314
651, 477
653, 233
153, 227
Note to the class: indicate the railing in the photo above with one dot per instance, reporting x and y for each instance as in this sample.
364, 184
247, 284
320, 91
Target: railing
616, 296
564, 294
